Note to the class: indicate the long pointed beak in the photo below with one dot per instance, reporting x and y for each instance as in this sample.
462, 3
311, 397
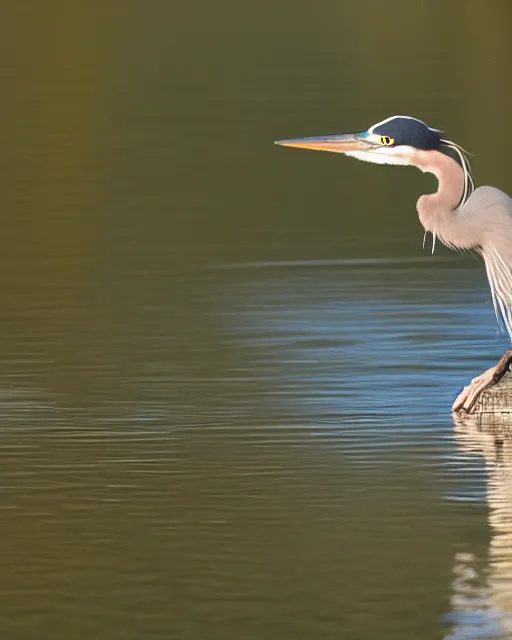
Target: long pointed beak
337, 143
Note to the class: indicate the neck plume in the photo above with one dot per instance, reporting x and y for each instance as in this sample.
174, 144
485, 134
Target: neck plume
433, 208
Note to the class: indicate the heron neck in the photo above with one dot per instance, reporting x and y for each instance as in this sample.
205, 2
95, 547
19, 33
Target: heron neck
447, 198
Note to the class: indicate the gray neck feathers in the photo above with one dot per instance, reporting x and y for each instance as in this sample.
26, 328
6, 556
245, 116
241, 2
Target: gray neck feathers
436, 210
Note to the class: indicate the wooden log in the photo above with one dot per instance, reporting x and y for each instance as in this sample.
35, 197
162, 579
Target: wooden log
496, 399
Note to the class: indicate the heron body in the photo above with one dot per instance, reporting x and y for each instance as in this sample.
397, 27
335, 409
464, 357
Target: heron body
462, 217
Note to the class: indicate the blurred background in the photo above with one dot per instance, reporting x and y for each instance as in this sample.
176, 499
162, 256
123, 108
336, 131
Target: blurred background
226, 368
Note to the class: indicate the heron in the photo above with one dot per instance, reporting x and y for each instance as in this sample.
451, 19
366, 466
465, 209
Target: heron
461, 216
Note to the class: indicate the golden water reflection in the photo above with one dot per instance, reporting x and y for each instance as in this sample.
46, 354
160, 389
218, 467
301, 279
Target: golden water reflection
482, 588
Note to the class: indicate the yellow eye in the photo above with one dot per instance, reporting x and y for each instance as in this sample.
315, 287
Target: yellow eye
387, 141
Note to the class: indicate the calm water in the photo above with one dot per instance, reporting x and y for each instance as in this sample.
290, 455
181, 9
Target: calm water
226, 368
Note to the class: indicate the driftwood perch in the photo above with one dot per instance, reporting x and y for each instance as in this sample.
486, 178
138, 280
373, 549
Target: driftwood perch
496, 399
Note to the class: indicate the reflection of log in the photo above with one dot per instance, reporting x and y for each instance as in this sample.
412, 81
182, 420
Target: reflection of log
496, 399
483, 599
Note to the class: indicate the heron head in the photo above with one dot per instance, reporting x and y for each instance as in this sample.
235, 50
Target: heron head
396, 140
392, 141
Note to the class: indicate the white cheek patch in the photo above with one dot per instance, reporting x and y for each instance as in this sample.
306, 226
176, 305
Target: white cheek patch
385, 155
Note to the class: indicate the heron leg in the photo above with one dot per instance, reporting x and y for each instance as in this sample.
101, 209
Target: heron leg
468, 397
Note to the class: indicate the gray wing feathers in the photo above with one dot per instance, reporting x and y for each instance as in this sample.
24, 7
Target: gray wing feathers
489, 211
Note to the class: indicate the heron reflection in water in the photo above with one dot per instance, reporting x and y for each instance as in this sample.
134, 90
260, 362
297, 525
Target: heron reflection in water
461, 216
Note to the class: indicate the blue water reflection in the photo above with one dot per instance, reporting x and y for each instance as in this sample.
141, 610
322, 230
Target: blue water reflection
392, 341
